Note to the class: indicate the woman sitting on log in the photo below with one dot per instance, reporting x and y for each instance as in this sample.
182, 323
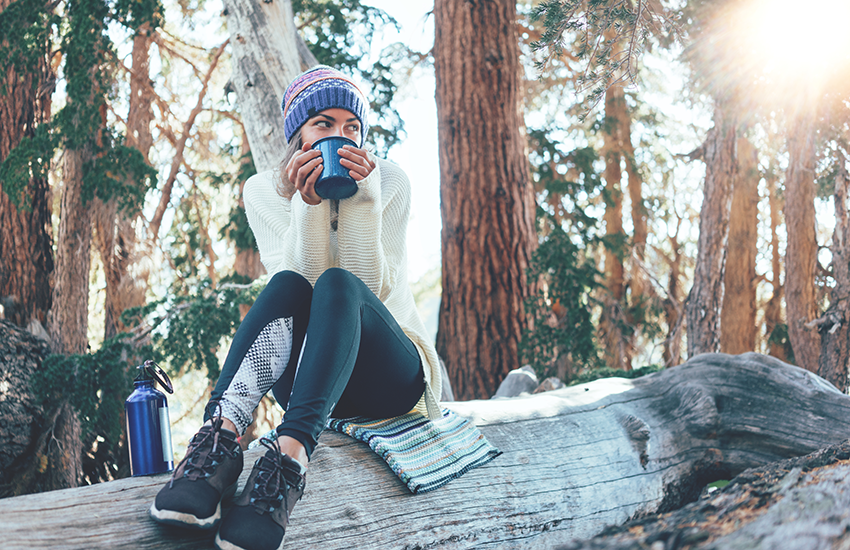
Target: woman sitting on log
334, 333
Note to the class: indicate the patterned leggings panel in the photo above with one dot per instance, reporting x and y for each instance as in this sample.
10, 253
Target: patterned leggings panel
265, 348
262, 366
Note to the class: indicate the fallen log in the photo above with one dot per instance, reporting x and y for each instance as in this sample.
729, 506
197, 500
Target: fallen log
575, 461
797, 503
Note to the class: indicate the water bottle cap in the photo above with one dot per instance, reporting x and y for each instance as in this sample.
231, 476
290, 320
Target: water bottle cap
151, 371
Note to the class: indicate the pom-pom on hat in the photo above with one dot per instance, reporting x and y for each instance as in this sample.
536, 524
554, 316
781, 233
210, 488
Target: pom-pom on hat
317, 89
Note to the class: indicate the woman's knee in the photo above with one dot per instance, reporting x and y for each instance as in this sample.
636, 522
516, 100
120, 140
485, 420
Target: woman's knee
289, 280
336, 280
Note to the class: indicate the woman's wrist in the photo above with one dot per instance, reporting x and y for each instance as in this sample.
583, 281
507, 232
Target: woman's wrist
314, 201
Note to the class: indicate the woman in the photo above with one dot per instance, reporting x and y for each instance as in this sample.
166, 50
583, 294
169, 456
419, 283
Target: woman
335, 331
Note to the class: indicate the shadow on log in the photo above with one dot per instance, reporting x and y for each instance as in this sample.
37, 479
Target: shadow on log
575, 461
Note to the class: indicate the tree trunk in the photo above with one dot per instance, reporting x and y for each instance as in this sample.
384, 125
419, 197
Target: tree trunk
25, 229
706, 296
69, 315
835, 324
265, 58
486, 198
773, 308
574, 462
68, 323
247, 263
801, 304
738, 316
618, 346
673, 304
125, 270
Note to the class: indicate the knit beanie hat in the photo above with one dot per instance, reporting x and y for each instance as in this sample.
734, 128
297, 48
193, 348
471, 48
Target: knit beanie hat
318, 89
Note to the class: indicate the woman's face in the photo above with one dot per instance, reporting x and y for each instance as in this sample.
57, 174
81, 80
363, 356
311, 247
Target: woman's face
331, 122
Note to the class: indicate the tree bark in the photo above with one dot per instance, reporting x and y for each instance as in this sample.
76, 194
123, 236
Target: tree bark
25, 229
673, 303
125, 270
486, 198
265, 58
574, 461
801, 304
738, 314
835, 324
706, 296
787, 504
69, 315
618, 346
247, 263
68, 319
20, 412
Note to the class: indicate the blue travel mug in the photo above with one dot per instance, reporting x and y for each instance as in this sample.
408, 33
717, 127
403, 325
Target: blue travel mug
148, 425
335, 182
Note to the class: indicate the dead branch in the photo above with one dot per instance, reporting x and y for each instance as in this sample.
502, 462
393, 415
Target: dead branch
165, 199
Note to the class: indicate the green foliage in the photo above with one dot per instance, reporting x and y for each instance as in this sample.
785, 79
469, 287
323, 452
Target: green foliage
29, 160
237, 229
606, 372
136, 13
95, 384
567, 184
190, 324
119, 172
115, 170
561, 306
26, 27
86, 47
339, 31
562, 272
608, 36
779, 337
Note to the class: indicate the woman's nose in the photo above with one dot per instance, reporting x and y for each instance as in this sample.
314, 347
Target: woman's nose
338, 131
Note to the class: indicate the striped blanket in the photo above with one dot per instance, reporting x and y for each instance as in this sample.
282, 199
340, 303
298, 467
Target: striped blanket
424, 454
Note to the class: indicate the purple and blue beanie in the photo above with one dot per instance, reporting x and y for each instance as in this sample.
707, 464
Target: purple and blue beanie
317, 89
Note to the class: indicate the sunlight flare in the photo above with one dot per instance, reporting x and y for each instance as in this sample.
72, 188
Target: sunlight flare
801, 47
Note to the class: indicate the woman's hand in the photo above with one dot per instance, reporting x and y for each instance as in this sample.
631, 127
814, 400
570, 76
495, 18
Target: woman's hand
303, 170
357, 161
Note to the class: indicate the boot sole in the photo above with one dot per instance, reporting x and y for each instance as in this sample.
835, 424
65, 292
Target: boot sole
225, 545
185, 519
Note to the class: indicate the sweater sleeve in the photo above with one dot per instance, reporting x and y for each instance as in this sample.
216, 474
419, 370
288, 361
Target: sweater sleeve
290, 234
373, 228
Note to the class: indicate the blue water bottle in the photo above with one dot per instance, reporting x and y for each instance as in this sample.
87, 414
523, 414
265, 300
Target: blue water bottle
148, 427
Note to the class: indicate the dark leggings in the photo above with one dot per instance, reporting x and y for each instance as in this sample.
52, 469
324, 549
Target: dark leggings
356, 360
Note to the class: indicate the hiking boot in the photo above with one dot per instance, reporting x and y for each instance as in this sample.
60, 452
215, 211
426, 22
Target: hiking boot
207, 475
260, 515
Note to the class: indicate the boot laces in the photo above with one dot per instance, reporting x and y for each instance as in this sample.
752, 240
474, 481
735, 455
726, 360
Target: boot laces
270, 490
205, 452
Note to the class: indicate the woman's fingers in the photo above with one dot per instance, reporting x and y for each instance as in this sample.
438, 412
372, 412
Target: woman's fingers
302, 173
357, 161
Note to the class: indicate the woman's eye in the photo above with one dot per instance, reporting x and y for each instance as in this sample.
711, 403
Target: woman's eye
323, 124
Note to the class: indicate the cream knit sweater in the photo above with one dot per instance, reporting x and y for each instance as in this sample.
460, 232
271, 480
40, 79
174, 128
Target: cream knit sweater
371, 243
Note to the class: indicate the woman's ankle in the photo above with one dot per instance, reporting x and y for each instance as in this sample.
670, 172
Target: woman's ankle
226, 424
293, 448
